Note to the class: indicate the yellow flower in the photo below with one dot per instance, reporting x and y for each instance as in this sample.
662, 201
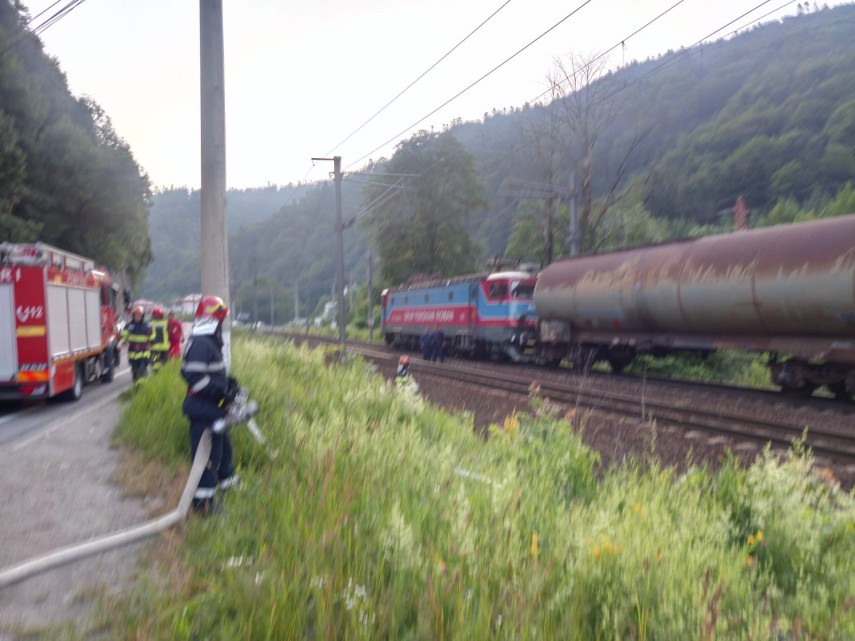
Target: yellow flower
596, 552
750, 539
511, 423
534, 544
759, 535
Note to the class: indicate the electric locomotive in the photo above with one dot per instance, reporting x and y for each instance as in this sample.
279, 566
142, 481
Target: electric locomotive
485, 315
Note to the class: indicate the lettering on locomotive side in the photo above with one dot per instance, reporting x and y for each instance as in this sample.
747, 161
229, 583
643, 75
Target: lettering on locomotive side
26, 313
428, 316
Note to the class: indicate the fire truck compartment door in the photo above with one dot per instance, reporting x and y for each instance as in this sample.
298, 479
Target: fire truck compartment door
8, 351
59, 341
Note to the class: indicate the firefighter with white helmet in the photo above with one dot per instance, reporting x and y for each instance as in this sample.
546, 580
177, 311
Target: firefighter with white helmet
210, 391
137, 335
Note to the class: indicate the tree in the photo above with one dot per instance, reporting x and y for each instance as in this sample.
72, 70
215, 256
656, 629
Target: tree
419, 223
587, 109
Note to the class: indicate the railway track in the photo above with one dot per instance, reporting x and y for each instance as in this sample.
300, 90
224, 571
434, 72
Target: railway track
723, 417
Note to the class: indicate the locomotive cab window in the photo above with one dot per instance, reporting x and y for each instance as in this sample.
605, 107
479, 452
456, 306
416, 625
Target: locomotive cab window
498, 291
522, 289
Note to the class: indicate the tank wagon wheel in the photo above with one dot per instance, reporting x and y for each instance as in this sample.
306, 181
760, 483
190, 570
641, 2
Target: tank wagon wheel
839, 391
799, 392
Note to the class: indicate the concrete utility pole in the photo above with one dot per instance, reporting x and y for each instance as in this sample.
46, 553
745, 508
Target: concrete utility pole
370, 300
215, 249
339, 246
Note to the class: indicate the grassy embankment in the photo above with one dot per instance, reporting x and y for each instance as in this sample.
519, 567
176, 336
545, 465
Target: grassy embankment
381, 518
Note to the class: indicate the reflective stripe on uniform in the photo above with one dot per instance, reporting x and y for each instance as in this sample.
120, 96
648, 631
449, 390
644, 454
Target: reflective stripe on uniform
201, 384
200, 367
204, 493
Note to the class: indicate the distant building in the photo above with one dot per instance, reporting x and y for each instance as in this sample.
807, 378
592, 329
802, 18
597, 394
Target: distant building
187, 305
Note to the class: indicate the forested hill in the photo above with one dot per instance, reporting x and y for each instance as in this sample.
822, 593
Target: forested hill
768, 114
66, 178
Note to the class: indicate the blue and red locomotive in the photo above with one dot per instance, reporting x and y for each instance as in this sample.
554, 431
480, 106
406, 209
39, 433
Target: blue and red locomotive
486, 315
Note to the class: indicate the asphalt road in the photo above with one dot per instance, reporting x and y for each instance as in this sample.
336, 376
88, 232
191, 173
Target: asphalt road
56, 489
21, 420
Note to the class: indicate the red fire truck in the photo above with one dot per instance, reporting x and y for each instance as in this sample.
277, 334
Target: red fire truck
58, 326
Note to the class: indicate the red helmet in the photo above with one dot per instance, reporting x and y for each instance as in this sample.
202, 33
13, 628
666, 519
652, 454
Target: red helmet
212, 307
157, 312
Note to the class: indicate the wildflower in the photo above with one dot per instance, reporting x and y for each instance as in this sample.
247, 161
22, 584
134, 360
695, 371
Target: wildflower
749, 561
534, 544
638, 509
759, 535
750, 539
511, 423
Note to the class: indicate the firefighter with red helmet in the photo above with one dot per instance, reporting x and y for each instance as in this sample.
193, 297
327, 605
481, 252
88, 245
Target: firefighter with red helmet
210, 390
137, 335
160, 339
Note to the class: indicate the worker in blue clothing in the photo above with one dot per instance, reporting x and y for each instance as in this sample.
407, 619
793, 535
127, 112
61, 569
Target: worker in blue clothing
425, 344
210, 391
437, 342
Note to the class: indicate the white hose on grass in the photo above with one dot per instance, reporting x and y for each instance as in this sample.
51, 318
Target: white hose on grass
65, 555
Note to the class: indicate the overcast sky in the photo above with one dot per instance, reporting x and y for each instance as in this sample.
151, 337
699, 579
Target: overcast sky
302, 76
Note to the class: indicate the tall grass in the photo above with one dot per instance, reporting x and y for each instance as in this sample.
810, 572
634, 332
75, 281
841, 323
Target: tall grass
383, 518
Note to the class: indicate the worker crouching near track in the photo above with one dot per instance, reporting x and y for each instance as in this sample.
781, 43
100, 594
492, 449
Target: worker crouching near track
210, 391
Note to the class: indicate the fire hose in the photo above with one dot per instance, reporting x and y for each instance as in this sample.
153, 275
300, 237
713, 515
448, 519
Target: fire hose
242, 410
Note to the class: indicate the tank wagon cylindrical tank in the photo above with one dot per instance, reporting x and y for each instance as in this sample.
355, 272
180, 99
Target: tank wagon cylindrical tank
787, 290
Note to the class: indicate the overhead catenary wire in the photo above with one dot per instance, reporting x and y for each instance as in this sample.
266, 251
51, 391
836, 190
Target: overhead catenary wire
676, 57
423, 74
665, 64
471, 85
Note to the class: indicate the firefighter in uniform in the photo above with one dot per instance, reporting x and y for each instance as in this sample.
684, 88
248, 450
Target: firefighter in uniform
160, 340
176, 335
137, 336
209, 392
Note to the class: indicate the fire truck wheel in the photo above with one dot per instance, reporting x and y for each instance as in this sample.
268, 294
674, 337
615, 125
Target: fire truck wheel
108, 371
76, 390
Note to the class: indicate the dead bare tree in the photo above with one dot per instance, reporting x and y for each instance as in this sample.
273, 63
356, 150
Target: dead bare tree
586, 112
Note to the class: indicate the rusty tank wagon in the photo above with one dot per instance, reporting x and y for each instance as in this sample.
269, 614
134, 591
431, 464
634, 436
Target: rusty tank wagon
788, 291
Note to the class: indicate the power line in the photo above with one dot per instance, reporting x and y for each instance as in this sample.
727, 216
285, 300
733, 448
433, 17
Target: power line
428, 70
43, 11
59, 15
44, 25
669, 62
621, 42
460, 93
687, 50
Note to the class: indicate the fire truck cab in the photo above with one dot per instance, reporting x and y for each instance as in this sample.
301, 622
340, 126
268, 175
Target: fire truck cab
58, 326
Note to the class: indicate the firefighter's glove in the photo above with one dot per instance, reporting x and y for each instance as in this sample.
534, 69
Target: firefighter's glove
219, 426
232, 390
